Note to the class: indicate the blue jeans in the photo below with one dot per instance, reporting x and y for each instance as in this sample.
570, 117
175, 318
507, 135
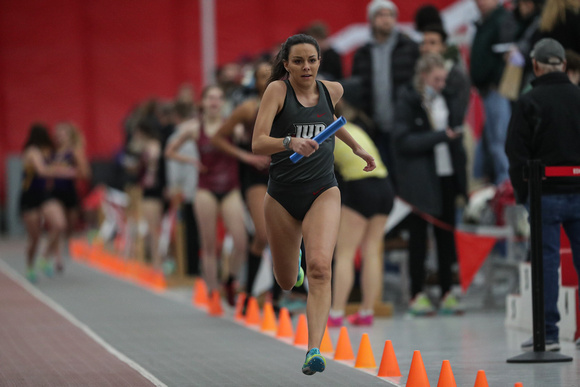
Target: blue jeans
557, 210
497, 117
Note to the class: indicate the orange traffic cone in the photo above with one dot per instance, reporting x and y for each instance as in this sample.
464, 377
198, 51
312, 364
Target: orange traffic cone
326, 344
481, 379
301, 337
158, 281
253, 313
389, 365
343, 347
519, 384
238, 316
215, 304
285, 325
200, 293
417, 374
269, 319
365, 357
446, 378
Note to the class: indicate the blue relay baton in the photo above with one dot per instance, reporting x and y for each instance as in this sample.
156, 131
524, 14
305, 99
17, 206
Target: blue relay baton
320, 137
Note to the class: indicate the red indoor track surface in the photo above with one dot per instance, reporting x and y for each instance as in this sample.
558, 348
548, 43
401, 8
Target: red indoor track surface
39, 347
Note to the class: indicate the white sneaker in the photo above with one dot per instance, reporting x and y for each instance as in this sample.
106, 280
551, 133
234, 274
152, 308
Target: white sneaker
551, 345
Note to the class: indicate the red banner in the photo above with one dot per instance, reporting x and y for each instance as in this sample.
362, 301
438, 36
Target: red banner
472, 251
562, 171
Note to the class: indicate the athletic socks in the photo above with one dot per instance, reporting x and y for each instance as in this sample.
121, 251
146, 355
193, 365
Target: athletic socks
336, 313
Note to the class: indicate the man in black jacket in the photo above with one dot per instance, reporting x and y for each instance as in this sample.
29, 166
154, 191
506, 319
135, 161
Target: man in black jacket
545, 125
382, 66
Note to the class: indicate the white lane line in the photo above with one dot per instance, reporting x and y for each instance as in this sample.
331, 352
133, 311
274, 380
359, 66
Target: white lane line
178, 298
6, 269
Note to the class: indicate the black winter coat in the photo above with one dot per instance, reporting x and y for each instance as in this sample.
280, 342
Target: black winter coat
545, 125
403, 59
414, 140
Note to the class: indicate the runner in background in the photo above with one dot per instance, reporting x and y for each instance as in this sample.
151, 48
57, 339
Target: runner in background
70, 151
253, 168
37, 208
367, 200
218, 192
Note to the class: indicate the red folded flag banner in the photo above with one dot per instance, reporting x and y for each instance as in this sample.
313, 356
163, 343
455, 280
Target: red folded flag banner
472, 250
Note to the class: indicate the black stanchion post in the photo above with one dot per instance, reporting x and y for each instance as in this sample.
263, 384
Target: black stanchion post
539, 355
538, 321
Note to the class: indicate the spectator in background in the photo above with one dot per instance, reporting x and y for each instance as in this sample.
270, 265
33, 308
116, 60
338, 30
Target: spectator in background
367, 200
218, 192
331, 62
182, 179
573, 66
495, 26
229, 79
527, 17
146, 143
560, 20
185, 95
427, 15
70, 151
36, 205
383, 66
572, 69
545, 125
431, 166
253, 169
457, 86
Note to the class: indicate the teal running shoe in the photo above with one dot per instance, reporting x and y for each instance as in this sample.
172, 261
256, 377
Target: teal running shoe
300, 279
31, 276
314, 362
46, 267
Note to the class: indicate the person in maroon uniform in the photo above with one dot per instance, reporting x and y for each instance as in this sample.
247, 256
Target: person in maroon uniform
218, 191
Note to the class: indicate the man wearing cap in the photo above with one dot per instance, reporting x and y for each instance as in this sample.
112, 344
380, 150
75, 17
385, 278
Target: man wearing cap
382, 66
545, 125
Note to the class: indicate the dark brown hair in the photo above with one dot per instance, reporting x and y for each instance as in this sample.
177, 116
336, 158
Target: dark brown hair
38, 136
278, 69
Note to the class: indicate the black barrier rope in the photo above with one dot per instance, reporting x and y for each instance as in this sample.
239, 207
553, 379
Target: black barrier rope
534, 174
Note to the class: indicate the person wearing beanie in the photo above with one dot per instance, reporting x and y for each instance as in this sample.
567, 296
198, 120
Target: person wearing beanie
427, 15
380, 68
377, 5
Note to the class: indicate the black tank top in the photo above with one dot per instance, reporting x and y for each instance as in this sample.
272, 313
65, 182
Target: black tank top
296, 120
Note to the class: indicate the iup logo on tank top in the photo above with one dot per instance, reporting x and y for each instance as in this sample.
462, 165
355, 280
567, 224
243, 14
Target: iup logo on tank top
309, 130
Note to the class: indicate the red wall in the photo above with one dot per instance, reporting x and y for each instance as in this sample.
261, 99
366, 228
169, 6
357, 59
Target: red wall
91, 61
